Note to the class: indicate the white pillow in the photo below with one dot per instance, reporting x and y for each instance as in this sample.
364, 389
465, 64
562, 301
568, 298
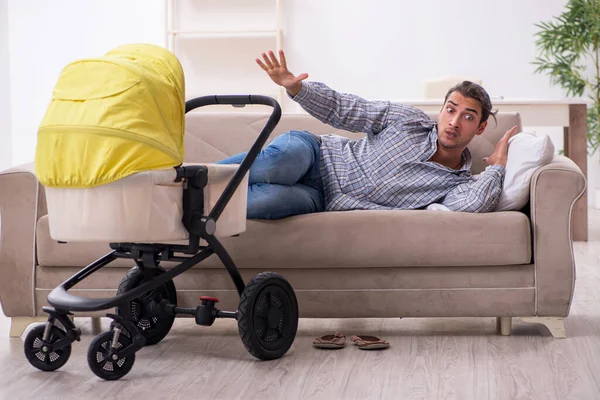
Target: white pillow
437, 207
526, 153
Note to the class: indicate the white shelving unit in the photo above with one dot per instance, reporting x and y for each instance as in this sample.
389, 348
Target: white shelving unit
217, 43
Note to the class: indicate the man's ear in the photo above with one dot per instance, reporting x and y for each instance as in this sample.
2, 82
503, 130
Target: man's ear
481, 128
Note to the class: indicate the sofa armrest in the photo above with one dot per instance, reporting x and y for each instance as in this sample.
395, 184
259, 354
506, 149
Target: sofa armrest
555, 188
22, 203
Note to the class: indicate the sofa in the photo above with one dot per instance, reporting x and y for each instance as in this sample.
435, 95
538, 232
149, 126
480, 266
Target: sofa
388, 264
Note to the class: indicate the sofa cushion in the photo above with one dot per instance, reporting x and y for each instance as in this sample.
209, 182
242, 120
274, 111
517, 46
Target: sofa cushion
348, 239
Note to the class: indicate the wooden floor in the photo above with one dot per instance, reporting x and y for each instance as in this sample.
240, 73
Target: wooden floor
454, 358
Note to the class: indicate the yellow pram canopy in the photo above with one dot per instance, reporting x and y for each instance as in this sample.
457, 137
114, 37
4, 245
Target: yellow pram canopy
111, 117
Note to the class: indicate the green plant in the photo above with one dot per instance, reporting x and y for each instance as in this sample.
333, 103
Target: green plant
567, 45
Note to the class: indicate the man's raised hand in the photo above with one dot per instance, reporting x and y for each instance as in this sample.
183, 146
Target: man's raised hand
500, 154
279, 72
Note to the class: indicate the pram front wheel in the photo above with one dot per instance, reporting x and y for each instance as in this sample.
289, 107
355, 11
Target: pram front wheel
268, 316
103, 359
39, 352
153, 326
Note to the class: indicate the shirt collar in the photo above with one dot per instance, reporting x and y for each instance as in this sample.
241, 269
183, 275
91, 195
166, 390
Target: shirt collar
466, 158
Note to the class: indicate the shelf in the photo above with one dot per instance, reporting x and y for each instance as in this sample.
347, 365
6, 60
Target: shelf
223, 65
217, 43
218, 15
225, 34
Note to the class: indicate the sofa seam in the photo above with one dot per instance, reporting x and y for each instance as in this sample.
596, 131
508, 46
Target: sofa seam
34, 261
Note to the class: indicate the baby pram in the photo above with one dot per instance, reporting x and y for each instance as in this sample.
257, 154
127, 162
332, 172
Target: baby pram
110, 155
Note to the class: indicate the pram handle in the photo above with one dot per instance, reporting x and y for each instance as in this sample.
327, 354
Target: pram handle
234, 100
239, 100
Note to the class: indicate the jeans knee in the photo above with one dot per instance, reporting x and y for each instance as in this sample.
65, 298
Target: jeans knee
306, 136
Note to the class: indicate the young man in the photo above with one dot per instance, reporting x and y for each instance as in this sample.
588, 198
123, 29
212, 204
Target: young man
405, 161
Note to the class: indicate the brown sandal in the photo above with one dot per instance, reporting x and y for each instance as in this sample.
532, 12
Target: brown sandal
336, 341
369, 342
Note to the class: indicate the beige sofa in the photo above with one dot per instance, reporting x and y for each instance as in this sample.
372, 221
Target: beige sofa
341, 264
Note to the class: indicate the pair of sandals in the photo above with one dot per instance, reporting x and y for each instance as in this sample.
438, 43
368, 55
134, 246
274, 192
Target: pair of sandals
338, 340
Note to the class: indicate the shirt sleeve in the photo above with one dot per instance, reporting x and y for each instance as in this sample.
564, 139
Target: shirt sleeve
350, 112
478, 196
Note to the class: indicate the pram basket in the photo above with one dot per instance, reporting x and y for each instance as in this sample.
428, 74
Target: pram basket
146, 301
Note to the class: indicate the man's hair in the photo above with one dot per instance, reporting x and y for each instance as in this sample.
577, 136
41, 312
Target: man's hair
475, 91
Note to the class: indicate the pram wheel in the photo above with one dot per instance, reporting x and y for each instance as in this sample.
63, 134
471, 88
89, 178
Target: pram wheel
103, 359
153, 326
268, 316
39, 352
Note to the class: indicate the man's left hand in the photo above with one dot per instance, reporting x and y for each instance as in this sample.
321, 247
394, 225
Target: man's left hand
500, 154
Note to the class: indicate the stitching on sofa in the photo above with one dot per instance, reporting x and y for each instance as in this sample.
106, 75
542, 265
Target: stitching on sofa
201, 140
533, 217
35, 221
571, 247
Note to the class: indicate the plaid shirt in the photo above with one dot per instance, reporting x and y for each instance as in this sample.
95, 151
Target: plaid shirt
389, 168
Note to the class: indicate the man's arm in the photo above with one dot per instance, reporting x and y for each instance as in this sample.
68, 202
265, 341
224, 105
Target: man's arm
479, 196
340, 110
346, 111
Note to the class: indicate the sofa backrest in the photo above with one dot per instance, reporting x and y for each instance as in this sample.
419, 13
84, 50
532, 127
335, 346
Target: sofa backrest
213, 136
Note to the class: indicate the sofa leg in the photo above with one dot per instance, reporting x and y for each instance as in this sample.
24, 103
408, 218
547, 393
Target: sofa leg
556, 325
96, 326
19, 324
504, 325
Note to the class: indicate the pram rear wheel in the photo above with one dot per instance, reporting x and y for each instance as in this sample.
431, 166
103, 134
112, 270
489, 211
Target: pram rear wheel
153, 327
39, 355
102, 360
268, 316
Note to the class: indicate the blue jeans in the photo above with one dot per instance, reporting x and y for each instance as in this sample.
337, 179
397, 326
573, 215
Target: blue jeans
284, 179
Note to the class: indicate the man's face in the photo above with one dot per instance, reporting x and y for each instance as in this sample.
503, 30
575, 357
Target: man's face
459, 121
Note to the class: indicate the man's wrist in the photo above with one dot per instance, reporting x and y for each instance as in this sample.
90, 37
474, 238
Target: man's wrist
294, 90
302, 95
497, 168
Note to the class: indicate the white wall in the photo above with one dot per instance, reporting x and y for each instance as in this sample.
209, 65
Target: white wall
45, 35
386, 48
376, 48
5, 116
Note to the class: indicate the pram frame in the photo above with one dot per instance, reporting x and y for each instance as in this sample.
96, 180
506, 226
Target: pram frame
148, 255
198, 225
